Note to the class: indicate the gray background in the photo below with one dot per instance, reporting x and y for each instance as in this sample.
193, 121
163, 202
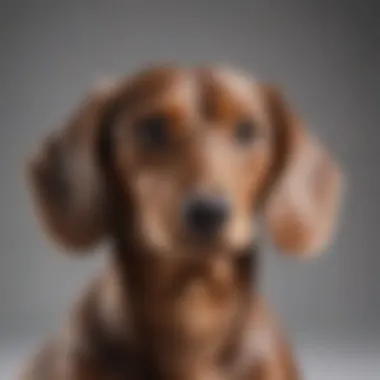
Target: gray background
325, 54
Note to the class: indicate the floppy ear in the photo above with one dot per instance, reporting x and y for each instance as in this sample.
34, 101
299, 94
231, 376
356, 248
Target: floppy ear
66, 179
302, 209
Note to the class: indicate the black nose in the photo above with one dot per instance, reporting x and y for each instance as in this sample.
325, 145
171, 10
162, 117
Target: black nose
205, 215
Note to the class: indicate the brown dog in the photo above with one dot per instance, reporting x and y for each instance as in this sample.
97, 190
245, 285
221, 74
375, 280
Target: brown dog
171, 166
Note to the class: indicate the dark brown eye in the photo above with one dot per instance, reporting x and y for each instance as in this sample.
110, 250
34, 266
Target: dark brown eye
246, 131
152, 132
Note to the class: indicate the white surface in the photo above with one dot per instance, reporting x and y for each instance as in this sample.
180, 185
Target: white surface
320, 361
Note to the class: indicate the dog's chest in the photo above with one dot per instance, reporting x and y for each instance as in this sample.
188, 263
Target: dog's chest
202, 307
185, 316
196, 321
207, 304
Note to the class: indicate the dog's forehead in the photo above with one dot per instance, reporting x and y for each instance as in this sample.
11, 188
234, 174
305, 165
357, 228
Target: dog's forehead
233, 88
187, 86
236, 83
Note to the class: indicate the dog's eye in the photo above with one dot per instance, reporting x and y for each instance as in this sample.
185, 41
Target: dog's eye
152, 132
246, 131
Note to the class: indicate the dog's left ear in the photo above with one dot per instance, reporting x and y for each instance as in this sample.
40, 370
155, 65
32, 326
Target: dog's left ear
66, 179
302, 209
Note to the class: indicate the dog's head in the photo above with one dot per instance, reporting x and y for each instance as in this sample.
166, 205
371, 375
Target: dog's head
198, 155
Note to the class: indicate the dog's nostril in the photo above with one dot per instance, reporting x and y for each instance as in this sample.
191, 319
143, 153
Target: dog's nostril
205, 215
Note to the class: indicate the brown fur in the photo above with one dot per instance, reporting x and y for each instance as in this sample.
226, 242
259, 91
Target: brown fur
168, 307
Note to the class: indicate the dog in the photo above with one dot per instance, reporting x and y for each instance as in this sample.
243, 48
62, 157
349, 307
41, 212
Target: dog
181, 171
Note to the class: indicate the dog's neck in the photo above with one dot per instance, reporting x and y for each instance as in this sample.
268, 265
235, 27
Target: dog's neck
185, 306
146, 273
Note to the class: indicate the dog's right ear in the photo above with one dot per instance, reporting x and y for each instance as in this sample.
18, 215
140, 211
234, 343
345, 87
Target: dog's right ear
303, 209
65, 176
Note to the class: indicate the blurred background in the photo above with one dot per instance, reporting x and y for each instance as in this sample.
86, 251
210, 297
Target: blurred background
326, 56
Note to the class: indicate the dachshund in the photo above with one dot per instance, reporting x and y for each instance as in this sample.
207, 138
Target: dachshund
180, 171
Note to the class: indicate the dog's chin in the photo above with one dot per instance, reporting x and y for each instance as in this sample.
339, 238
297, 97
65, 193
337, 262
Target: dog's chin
205, 247
186, 247
223, 244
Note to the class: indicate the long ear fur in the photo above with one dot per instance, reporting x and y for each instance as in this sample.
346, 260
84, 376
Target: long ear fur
66, 179
303, 208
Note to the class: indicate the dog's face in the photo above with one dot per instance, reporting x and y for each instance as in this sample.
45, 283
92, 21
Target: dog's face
193, 154
196, 153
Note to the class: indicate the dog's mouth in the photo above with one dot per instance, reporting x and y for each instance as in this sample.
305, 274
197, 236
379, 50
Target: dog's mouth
203, 244
206, 237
